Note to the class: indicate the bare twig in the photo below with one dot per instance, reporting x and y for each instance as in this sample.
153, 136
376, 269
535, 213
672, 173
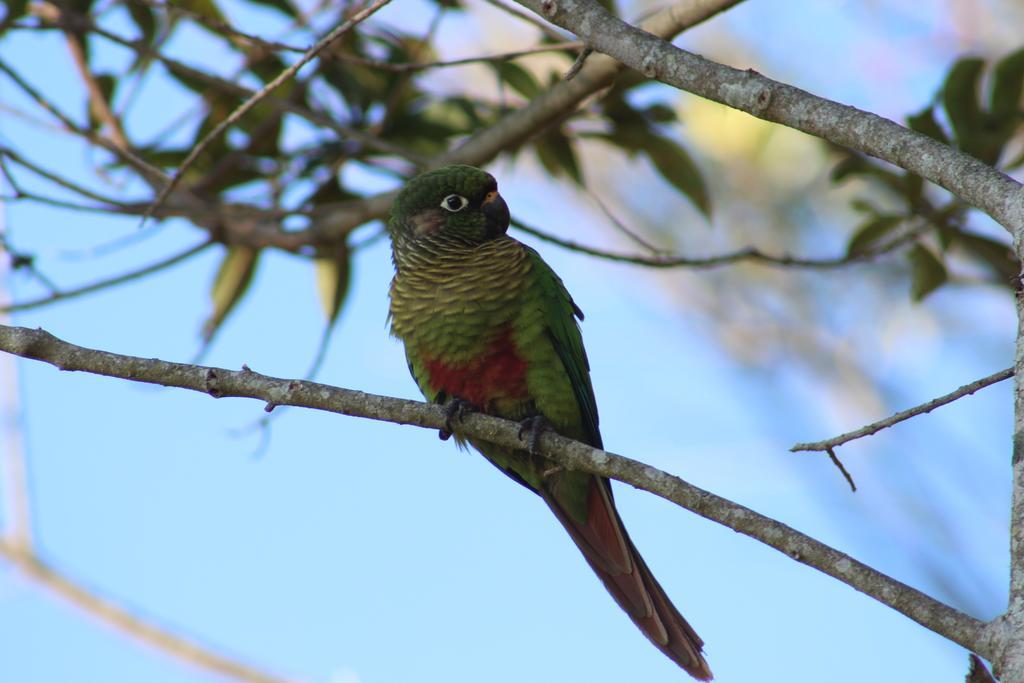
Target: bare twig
966, 390
147, 171
217, 382
403, 67
842, 469
581, 59
244, 108
6, 153
142, 629
110, 282
622, 227
746, 254
98, 104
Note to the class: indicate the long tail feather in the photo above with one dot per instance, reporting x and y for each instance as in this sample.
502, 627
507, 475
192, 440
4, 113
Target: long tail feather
613, 557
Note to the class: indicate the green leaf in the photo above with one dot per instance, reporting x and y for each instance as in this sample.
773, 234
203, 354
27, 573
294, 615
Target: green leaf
998, 256
517, 78
871, 232
204, 8
15, 8
927, 272
855, 165
924, 122
280, 5
333, 273
677, 167
659, 113
144, 20
556, 154
233, 279
1007, 86
960, 99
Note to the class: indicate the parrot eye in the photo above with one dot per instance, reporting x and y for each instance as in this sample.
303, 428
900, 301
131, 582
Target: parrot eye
454, 202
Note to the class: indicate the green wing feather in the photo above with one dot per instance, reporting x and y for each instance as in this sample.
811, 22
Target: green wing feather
560, 313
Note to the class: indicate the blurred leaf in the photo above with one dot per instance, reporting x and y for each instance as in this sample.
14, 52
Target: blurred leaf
333, 272
204, 8
871, 232
556, 154
924, 122
998, 256
677, 167
517, 78
233, 279
858, 165
960, 99
1007, 86
145, 20
927, 272
14, 10
861, 205
79, 6
280, 5
659, 113
187, 78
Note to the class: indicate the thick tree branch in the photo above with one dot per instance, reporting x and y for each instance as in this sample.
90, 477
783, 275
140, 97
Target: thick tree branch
934, 615
976, 183
927, 407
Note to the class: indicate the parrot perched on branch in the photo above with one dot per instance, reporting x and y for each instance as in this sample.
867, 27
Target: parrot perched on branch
488, 326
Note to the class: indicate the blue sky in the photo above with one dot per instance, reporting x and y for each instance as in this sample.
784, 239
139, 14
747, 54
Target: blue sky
348, 551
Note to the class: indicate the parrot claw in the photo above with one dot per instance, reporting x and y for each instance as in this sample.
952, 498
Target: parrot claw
536, 426
551, 471
454, 411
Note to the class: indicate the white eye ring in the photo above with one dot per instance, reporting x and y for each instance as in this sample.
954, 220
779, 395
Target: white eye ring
454, 203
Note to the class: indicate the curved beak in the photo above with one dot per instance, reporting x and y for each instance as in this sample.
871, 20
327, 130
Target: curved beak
496, 211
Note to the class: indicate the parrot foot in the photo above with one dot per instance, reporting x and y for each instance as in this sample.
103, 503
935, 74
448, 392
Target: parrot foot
535, 426
454, 411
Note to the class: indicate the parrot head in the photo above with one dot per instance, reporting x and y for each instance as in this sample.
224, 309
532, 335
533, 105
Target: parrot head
457, 202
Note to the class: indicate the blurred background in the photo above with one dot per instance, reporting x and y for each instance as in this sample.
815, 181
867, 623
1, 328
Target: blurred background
316, 547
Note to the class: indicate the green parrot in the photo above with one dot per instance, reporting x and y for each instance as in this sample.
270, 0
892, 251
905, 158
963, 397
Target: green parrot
488, 326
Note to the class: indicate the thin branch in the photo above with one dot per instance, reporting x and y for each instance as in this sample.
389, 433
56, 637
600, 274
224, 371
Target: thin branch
97, 102
244, 108
144, 630
403, 67
622, 227
147, 171
965, 390
977, 183
581, 59
729, 258
111, 282
217, 382
53, 178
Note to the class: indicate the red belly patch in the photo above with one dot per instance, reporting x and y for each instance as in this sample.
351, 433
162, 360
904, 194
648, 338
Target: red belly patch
499, 372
